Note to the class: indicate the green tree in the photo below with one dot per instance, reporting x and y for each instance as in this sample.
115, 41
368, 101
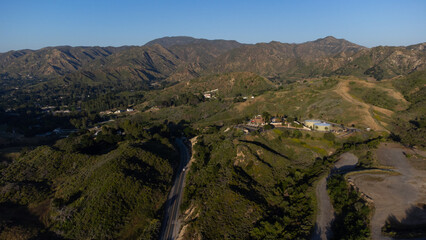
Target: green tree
297, 134
266, 116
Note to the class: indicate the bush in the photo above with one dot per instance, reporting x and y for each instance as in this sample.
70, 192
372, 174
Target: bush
376, 72
268, 127
329, 136
297, 134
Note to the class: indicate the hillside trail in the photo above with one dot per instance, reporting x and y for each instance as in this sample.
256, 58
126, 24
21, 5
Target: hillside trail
343, 90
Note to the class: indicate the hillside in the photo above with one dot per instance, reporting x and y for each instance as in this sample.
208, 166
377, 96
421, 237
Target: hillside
51, 61
150, 62
410, 125
186, 100
323, 57
256, 186
277, 60
103, 187
386, 62
223, 85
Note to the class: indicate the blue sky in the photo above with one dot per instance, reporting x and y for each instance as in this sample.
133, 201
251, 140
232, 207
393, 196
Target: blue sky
35, 24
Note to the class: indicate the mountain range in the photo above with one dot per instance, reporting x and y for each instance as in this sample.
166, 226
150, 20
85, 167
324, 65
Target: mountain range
172, 59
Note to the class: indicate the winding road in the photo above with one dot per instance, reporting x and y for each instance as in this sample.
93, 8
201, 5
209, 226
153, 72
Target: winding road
325, 216
171, 225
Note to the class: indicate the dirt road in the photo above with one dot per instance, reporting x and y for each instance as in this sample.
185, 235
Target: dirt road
343, 90
325, 212
393, 194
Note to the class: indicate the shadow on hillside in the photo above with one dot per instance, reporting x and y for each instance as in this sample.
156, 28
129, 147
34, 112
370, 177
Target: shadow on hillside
160, 150
97, 148
144, 172
265, 147
257, 156
412, 226
17, 222
247, 187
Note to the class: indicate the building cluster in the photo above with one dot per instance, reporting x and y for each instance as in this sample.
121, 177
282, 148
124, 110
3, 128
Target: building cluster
116, 112
56, 111
211, 94
318, 125
258, 120
309, 124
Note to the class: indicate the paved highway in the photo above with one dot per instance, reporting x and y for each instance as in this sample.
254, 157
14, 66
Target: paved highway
171, 225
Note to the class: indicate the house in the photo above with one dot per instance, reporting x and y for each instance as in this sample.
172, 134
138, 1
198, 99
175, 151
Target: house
276, 121
154, 108
130, 110
61, 112
108, 112
258, 120
210, 94
310, 123
118, 111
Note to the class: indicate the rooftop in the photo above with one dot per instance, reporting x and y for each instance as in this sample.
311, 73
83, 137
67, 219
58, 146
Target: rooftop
323, 124
312, 120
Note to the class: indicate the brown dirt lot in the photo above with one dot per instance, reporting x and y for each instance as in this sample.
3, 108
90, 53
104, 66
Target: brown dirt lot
393, 194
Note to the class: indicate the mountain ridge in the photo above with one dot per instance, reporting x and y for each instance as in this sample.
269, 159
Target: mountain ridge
174, 59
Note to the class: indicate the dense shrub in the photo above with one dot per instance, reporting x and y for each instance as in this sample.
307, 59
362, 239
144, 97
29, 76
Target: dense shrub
352, 212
